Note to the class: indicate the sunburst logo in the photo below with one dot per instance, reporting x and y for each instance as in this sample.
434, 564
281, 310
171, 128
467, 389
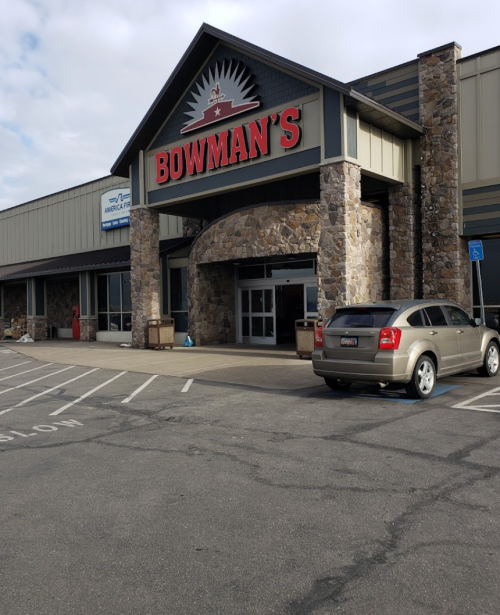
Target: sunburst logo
225, 93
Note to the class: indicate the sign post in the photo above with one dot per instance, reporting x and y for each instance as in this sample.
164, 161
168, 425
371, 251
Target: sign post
476, 254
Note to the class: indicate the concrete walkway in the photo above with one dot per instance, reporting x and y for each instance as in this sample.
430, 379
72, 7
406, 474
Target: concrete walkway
241, 364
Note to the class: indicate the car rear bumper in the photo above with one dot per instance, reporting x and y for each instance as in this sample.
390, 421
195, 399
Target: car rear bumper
387, 367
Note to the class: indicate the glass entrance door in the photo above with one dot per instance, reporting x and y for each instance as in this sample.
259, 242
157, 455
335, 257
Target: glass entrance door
257, 315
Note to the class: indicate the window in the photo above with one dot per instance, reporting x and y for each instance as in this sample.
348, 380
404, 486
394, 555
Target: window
457, 316
179, 298
361, 317
415, 319
436, 316
114, 302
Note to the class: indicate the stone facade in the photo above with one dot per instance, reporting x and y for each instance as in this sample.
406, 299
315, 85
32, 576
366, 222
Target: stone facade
445, 265
15, 301
37, 327
405, 242
351, 244
145, 271
61, 297
88, 329
270, 230
191, 226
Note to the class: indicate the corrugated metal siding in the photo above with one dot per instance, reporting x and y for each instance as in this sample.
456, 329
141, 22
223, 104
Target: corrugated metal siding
395, 88
481, 210
67, 222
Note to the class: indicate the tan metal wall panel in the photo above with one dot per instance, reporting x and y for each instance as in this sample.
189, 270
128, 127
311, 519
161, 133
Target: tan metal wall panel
380, 153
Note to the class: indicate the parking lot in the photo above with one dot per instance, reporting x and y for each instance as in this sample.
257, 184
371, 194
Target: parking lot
236, 482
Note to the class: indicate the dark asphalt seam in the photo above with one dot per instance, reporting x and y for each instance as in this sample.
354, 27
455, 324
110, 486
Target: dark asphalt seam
329, 590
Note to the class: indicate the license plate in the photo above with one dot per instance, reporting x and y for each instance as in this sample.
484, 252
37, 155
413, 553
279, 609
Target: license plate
350, 342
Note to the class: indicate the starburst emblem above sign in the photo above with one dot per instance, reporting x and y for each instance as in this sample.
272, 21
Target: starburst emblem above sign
225, 93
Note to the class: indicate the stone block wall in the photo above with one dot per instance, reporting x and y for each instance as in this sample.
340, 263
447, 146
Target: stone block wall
37, 327
446, 270
61, 297
145, 273
351, 255
405, 242
15, 301
88, 329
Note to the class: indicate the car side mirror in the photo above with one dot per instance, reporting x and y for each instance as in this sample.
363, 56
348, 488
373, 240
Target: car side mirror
476, 322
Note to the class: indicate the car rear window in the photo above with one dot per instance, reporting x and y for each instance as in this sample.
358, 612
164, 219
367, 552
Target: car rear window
436, 316
361, 317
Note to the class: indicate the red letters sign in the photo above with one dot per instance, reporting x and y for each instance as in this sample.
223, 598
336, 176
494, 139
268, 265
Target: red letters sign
228, 147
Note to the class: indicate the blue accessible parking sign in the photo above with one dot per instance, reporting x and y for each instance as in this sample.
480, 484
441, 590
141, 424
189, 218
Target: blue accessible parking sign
476, 250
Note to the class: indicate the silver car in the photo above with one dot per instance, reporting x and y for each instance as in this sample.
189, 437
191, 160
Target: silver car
408, 342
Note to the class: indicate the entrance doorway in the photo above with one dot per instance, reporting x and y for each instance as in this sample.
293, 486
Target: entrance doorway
289, 308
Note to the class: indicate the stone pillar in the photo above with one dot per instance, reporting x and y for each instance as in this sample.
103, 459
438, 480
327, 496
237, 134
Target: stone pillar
88, 308
405, 242
145, 272
36, 321
191, 226
446, 271
350, 250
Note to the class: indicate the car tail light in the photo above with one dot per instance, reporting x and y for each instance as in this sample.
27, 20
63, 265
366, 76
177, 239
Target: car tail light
389, 338
318, 338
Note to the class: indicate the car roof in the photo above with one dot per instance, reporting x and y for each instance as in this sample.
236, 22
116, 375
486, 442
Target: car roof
400, 305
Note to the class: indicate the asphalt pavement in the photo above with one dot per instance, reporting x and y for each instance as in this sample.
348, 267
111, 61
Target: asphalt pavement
136, 484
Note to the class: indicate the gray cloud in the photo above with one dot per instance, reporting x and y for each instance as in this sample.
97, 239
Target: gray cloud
76, 78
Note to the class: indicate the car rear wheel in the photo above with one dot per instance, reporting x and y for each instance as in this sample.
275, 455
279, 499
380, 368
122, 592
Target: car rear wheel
337, 384
491, 361
423, 379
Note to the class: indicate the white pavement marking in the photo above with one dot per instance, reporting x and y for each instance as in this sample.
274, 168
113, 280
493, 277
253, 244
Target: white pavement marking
141, 388
470, 404
26, 401
25, 384
4, 369
7, 351
86, 394
187, 385
26, 372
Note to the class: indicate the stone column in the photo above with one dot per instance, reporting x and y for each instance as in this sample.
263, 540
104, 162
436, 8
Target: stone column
445, 265
144, 271
36, 320
350, 251
404, 242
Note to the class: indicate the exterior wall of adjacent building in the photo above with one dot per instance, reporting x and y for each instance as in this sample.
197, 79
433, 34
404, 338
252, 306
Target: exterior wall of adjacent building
67, 222
480, 171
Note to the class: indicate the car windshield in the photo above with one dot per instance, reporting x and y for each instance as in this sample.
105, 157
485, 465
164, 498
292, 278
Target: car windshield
361, 317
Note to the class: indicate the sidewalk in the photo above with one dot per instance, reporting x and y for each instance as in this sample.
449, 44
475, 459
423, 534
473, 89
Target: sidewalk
241, 364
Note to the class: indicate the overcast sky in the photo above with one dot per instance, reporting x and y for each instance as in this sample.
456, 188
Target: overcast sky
78, 76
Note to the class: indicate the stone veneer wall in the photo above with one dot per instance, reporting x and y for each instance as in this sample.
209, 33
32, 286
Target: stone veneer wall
405, 242
36, 326
144, 271
446, 270
88, 329
15, 301
268, 230
351, 255
61, 297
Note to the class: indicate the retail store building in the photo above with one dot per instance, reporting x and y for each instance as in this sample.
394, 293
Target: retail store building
256, 192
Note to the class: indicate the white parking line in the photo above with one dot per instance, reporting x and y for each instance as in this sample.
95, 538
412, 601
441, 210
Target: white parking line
86, 394
4, 369
26, 401
26, 372
187, 385
25, 384
141, 388
470, 404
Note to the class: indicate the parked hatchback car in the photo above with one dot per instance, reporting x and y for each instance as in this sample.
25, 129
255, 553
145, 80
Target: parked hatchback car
408, 342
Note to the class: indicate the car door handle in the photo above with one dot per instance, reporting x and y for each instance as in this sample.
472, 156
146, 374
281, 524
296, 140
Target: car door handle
433, 332
459, 331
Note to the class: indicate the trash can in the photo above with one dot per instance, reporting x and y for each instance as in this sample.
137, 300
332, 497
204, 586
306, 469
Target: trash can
161, 333
305, 331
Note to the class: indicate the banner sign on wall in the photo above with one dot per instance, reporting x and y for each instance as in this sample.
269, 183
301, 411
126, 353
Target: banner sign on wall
115, 208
